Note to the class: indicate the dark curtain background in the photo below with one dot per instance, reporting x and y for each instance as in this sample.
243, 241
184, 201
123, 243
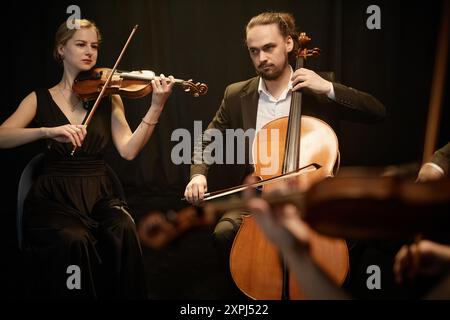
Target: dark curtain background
203, 40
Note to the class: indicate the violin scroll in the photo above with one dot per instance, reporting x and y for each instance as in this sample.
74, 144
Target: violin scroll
196, 89
157, 229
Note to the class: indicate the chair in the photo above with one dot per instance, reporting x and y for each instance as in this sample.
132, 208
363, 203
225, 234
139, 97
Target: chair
27, 178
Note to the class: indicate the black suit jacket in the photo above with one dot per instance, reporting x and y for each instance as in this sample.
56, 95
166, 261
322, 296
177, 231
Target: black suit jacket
239, 107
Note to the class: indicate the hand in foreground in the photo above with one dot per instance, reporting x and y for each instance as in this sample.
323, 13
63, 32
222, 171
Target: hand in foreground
429, 173
282, 224
422, 258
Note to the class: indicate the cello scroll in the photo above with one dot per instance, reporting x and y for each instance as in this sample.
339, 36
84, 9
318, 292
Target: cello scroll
303, 51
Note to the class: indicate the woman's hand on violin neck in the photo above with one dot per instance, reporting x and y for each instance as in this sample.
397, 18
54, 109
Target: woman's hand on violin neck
162, 88
74, 134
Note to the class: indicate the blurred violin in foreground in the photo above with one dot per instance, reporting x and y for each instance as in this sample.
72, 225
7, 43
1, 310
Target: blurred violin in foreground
133, 84
358, 204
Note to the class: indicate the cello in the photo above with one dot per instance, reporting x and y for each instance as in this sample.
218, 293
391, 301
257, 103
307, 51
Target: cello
255, 263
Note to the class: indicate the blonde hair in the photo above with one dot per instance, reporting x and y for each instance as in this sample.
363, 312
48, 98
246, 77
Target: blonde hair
64, 34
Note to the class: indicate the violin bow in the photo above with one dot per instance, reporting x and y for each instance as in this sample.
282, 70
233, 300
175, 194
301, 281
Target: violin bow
225, 192
437, 86
108, 80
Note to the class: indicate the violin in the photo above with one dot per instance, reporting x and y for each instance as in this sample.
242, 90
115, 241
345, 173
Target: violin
134, 84
358, 203
362, 204
98, 82
158, 229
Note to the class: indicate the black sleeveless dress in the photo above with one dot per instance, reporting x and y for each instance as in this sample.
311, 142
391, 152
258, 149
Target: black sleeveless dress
73, 218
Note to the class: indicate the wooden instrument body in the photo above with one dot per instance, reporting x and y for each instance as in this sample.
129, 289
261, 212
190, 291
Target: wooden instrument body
254, 261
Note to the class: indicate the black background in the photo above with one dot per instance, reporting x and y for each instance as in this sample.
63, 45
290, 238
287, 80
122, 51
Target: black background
203, 40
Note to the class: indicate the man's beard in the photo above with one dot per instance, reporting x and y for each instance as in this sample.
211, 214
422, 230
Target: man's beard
273, 75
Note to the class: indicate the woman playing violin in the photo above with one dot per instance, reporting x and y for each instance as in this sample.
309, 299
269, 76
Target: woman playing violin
72, 215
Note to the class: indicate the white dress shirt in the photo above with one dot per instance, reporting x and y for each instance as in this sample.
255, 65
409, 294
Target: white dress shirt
270, 108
